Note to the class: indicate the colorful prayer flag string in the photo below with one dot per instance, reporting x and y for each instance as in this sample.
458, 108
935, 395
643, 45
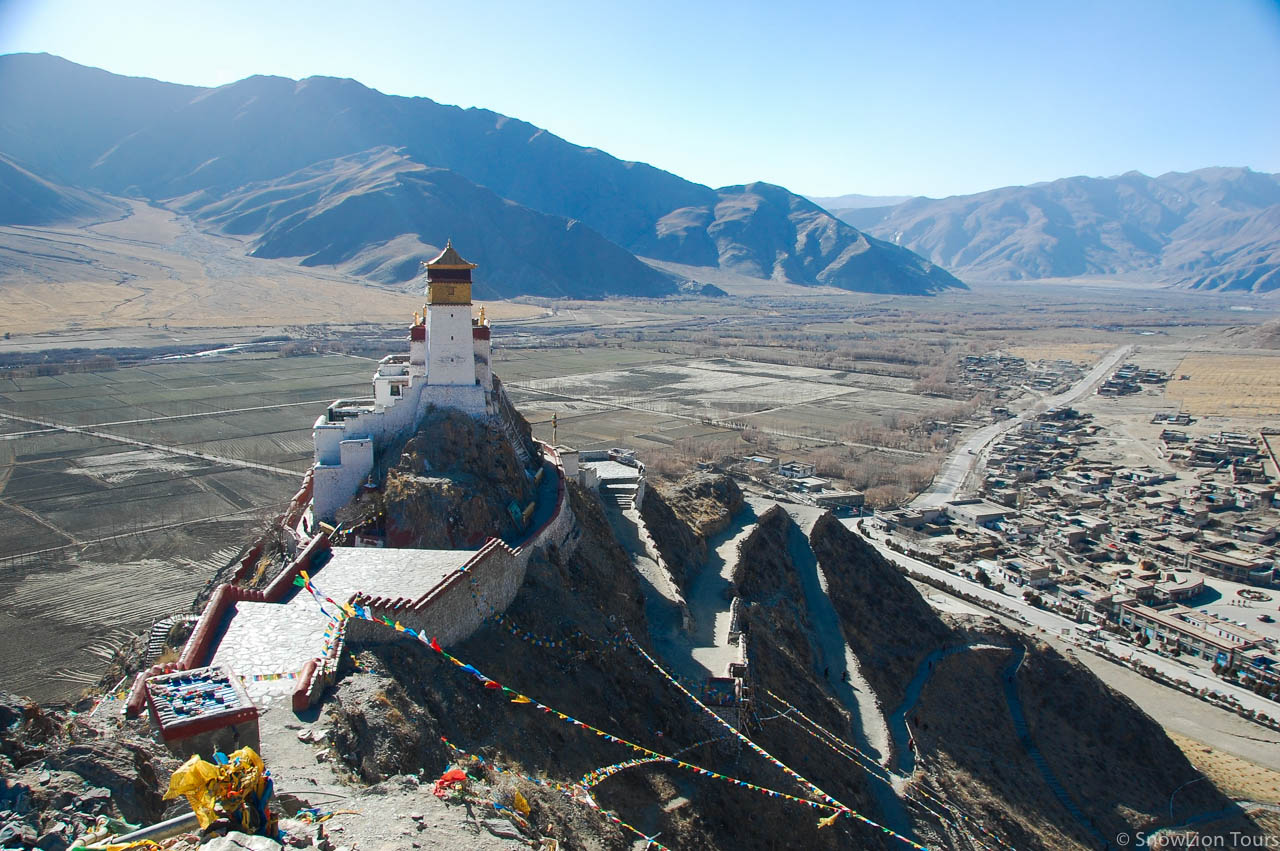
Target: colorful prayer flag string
575, 794
516, 697
770, 757
882, 773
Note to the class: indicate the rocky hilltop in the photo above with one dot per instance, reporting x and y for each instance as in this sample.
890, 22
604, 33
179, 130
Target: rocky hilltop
302, 166
681, 516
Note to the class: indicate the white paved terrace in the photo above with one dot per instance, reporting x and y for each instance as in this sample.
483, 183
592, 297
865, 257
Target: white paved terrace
266, 639
613, 470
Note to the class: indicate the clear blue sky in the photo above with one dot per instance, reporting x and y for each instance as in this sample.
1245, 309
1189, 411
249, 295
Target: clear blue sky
822, 96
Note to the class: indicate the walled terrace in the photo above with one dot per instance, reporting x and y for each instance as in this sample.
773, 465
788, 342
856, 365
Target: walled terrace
283, 646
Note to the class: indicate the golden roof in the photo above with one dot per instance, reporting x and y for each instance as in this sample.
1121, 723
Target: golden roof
449, 259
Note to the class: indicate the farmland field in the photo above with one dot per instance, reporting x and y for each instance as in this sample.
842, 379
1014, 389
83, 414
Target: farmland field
122, 492
607, 395
1228, 385
1081, 353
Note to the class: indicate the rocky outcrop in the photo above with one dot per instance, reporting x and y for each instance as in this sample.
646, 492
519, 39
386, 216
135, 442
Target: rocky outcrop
1117, 762
1116, 766
682, 516
561, 643
764, 572
379, 732
452, 486
59, 772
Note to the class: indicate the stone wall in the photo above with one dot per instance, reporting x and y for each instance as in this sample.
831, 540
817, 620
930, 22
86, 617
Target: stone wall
453, 610
199, 648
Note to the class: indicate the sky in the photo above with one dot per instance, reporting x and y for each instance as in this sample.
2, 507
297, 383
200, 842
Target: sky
825, 97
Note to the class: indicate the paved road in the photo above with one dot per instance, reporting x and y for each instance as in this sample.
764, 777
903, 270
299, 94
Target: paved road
951, 478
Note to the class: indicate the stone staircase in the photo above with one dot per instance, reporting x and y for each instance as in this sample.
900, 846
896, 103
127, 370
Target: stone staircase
160, 633
619, 493
509, 430
513, 437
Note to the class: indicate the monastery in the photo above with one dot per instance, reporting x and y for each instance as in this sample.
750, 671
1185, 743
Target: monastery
252, 647
447, 366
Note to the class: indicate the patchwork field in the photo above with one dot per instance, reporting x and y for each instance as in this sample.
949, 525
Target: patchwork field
1228, 385
658, 399
122, 492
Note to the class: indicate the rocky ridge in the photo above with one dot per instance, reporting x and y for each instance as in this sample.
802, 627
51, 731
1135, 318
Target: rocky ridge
1211, 229
683, 515
379, 738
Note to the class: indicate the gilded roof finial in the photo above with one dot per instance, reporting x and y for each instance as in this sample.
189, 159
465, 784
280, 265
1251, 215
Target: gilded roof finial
482, 314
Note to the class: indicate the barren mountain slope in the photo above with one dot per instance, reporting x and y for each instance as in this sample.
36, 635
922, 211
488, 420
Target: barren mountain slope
172, 141
1215, 228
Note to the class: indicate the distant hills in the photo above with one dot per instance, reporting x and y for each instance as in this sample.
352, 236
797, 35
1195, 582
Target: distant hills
330, 172
364, 213
1211, 229
838, 203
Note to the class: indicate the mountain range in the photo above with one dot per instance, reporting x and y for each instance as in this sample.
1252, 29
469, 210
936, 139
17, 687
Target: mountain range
329, 172
1210, 229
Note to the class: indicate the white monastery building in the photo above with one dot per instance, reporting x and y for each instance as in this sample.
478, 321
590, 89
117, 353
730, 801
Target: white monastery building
447, 366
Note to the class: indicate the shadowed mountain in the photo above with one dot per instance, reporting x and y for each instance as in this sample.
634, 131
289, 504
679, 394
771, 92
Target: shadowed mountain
179, 140
58, 117
28, 199
1215, 228
374, 214
765, 231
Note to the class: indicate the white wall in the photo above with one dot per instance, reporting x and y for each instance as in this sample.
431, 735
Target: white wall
450, 352
484, 374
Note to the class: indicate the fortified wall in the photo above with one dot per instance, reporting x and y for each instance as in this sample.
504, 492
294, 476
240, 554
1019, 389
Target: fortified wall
459, 605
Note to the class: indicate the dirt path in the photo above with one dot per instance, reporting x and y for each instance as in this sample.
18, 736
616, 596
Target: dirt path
709, 597
662, 602
905, 758
198, 414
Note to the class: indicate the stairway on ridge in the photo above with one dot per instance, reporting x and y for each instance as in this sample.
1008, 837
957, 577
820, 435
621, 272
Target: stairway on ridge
620, 493
159, 635
513, 437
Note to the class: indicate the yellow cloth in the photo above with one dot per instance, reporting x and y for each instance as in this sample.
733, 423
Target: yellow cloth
522, 806
207, 786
